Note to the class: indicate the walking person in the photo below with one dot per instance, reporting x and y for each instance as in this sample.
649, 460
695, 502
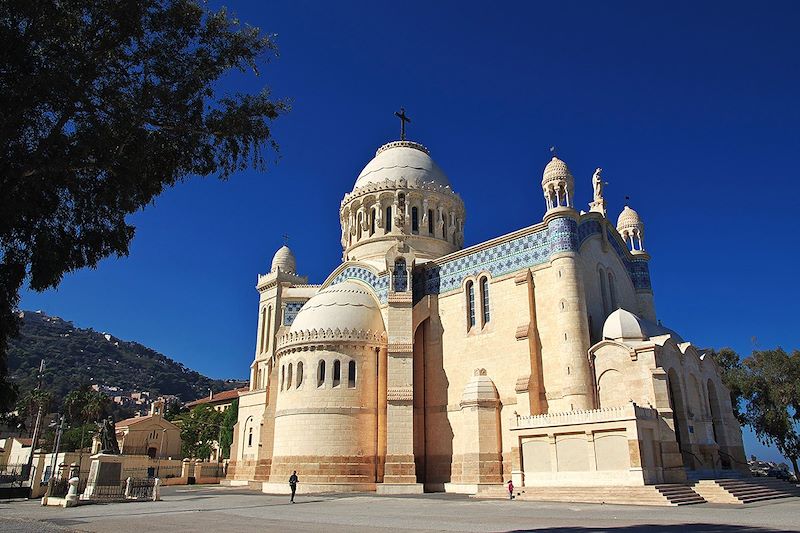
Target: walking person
510, 490
293, 484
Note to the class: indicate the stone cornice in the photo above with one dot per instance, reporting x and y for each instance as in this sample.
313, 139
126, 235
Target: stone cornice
306, 339
390, 186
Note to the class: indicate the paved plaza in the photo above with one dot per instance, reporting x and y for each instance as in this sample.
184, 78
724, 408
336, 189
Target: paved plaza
213, 508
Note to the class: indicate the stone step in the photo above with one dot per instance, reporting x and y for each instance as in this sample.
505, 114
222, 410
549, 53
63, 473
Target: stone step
743, 490
642, 495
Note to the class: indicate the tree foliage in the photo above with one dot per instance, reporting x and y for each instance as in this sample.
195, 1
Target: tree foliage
200, 428
84, 405
230, 416
105, 103
766, 386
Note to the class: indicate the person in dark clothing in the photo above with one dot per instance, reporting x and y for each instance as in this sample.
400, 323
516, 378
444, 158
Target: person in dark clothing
293, 484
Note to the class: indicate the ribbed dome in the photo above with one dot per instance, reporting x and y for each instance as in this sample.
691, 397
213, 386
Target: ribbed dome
284, 260
628, 218
402, 159
344, 305
556, 170
479, 389
624, 325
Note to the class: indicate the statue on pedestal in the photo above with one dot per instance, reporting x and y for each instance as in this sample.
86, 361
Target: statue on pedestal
598, 204
108, 437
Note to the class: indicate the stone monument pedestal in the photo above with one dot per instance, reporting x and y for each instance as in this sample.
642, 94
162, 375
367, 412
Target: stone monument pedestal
105, 470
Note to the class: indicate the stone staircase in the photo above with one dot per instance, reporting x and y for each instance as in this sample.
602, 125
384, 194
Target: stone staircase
744, 490
670, 495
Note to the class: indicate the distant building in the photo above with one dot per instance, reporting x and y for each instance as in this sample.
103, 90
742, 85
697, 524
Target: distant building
150, 435
220, 401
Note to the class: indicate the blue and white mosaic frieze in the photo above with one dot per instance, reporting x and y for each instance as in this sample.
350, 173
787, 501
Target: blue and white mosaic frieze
528, 250
638, 270
290, 310
561, 235
379, 284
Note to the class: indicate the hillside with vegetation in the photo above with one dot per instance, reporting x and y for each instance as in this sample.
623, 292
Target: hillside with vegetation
76, 356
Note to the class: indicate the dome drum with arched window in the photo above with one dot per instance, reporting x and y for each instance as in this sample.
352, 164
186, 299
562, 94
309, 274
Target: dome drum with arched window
327, 364
631, 229
401, 193
558, 185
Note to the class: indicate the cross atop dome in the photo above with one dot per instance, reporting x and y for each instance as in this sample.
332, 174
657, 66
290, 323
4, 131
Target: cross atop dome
403, 119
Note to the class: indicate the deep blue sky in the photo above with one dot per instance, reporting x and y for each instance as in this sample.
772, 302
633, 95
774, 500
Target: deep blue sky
691, 109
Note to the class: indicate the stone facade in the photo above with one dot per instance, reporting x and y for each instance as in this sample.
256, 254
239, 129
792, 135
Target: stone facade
420, 364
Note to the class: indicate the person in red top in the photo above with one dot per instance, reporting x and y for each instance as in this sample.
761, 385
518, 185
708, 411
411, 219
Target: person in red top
510, 490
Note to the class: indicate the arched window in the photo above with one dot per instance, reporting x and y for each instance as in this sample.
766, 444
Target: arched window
289, 378
444, 226
351, 374
470, 305
321, 374
358, 226
263, 328
430, 221
250, 437
603, 294
414, 220
283, 375
400, 276
299, 374
485, 300
612, 292
269, 326
337, 373
388, 219
372, 221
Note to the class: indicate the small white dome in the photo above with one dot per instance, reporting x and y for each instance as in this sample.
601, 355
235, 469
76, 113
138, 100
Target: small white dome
624, 325
284, 261
480, 389
556, 170
402, 159
344, 305
628, 219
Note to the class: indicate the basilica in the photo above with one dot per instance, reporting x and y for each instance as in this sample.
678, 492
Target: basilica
420, 365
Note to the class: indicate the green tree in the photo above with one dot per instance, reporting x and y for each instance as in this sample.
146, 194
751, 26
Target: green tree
84, 405
29, 403
200, 427
734, 377
229, 418
771, 388
106, 103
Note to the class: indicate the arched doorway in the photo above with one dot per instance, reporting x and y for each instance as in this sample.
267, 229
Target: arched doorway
679, 417
716, 423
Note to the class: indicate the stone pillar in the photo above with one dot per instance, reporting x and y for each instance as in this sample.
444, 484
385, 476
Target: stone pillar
72, 494
400, 468
481, 460
105, 469
577, 388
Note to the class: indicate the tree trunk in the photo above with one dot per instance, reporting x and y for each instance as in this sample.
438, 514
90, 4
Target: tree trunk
796, 470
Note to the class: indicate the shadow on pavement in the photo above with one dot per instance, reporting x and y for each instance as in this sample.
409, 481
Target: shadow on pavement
656, 528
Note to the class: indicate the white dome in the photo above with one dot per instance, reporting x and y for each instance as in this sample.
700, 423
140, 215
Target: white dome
479, 389
628, 218
284, 260
344, 305
402, 159
624, 325
556, 170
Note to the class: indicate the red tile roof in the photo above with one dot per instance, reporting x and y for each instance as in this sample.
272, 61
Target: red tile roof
220, 397
132, 420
